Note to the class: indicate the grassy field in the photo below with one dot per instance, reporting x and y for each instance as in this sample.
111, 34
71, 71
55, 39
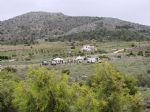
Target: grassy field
33, 55
48, 50
133, 65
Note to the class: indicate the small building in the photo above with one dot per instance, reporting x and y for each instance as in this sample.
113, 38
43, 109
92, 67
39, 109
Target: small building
93, 60
57, 61
79, 59
88, 48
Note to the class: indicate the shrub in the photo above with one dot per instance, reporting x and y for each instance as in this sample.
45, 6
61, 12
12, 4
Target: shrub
132, 45
148, 71
81, 53
66, 71
73, 47
140, 53
55, 55
5, 57
10, 69
27, 58
8, 82
144, 80
147, 53
31, 55
14, 55
119, 56
101, 51
117, 89
131, 54
103, 56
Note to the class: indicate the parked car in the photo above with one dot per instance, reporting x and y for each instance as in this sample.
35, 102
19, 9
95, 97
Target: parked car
53, 63
45, 63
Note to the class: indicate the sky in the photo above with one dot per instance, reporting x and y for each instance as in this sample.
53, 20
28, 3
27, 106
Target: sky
137, 11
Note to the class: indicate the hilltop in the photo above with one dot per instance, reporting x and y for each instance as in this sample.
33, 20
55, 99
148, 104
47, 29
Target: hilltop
57, 26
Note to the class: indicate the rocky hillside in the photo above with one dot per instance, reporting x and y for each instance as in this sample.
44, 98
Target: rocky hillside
37, 25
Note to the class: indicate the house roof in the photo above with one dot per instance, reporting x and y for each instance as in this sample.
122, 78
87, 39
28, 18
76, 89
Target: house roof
79, 58
56, 59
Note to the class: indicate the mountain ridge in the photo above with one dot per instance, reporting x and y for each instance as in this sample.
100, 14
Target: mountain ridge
45, 25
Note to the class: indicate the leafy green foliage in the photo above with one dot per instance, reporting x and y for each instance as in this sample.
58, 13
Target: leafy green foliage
43, 90
7, 84
10, 69
131, 54
66, 71
140, 53
143, 80
118, 90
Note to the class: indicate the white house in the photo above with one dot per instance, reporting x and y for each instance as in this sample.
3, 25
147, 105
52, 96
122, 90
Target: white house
79, 59
57, 61
93, 59
88, 48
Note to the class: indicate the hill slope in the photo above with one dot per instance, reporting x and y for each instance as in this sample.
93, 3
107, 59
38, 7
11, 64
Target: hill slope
37, 25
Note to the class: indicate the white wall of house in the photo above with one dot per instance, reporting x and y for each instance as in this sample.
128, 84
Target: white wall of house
88, 48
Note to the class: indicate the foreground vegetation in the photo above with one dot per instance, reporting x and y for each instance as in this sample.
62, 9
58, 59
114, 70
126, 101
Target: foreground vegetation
43, 90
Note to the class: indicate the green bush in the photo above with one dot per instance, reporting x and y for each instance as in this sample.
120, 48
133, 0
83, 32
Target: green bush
14, 55
27, 59
143, 80
10, 69
5, 57
103, 56
116, 89
73, 47
132, 45
66, 71
8, 82
55, 55
148, 71
140, 53
131, 54
81, 53
147, 53
101, 51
